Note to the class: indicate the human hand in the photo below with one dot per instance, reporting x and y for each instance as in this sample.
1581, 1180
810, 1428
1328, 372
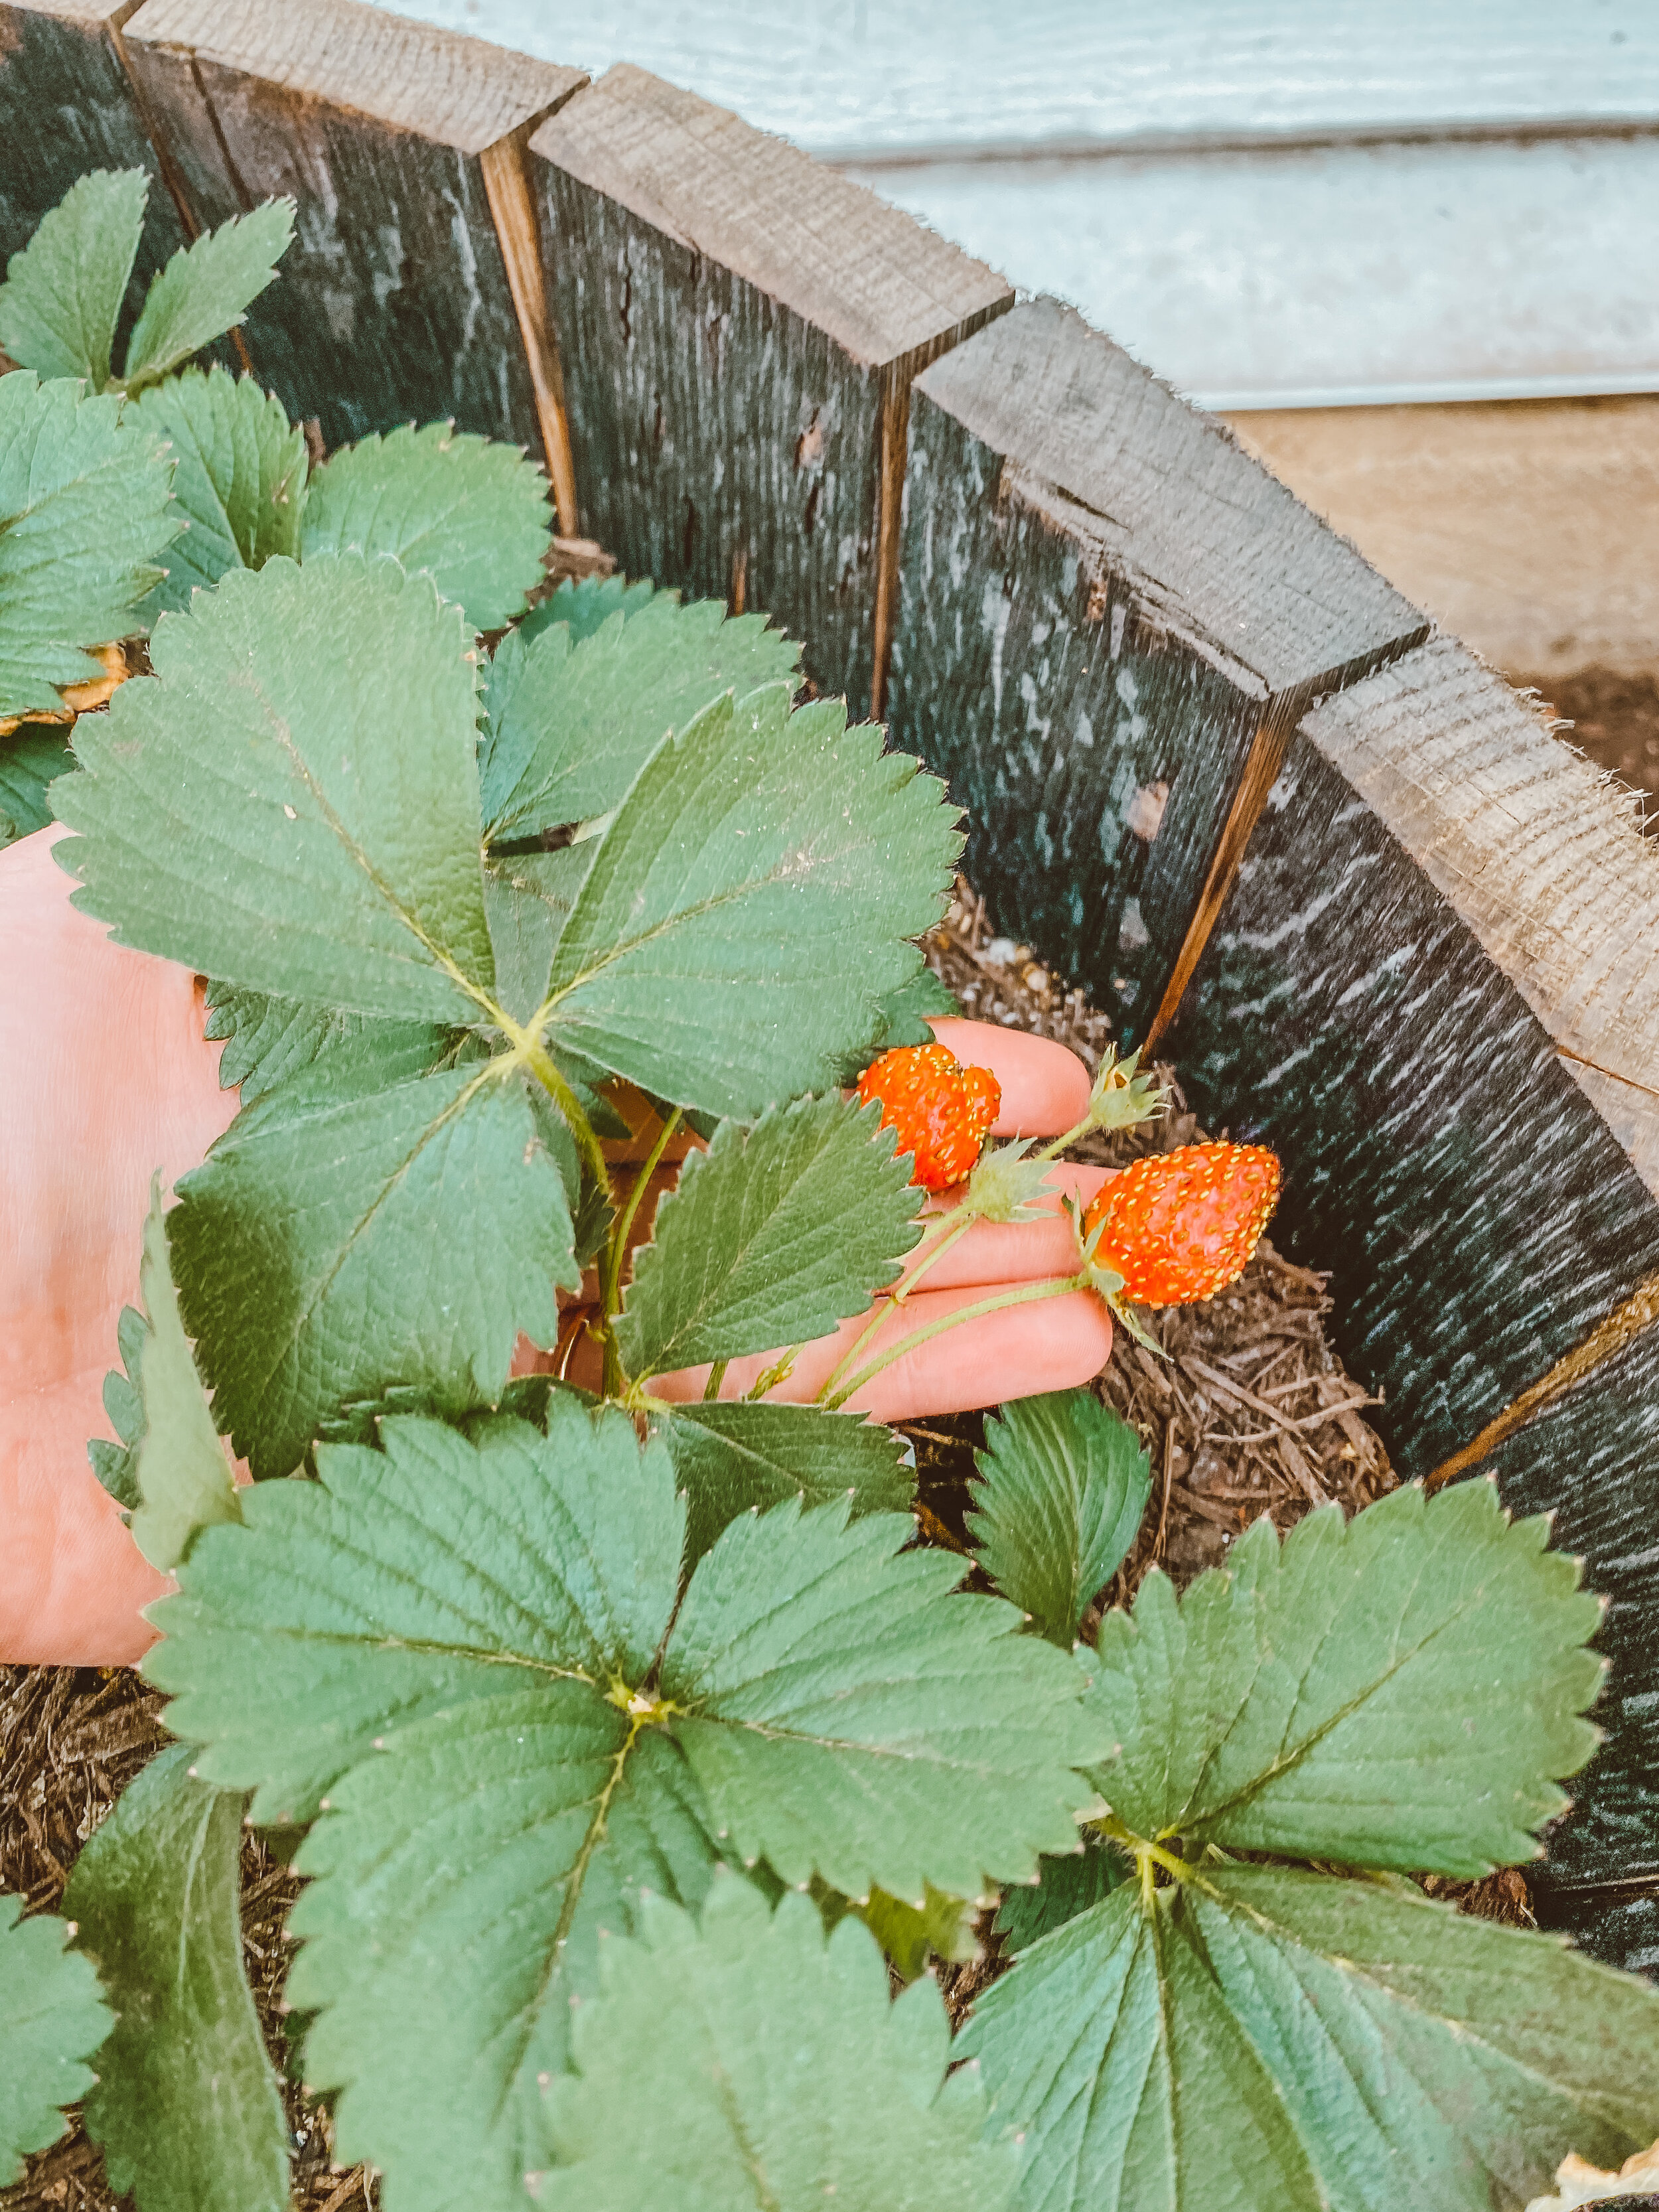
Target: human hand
104, 1077
1015, 1352
108, 1078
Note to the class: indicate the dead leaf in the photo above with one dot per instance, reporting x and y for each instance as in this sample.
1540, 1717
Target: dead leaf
1578, 2182
80, 698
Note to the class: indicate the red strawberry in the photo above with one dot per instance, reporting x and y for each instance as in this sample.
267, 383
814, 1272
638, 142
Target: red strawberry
940, 1108
1178, 1225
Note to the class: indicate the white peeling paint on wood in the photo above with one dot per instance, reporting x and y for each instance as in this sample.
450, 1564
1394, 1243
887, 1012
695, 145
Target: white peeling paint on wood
1337, 275
843, 77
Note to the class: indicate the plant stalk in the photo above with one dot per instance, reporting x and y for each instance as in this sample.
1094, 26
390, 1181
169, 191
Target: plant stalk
541, 1064
1054, 1287
884, 1306
611, 1287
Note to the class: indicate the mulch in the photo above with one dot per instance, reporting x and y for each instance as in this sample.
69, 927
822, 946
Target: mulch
1248, 1412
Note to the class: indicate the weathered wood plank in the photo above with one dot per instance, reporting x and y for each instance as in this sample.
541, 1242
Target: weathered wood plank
1435, 988
66, 105
1618, 1925
1530, 532
740, 329
906, 78
395, 302
1592, 1459
1110, 618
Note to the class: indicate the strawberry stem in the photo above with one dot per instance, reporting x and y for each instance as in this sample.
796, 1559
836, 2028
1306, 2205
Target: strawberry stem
618, 1253
542, 1066
957, 1226
1054, 1286
780, 1371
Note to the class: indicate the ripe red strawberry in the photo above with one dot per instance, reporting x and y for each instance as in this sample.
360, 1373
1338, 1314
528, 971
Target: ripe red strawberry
940, 1108
1178, 1225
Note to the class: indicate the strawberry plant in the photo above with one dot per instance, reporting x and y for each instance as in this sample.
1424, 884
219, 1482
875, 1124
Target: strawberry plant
623, 1740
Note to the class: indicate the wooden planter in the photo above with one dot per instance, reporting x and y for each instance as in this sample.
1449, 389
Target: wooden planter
1217, 772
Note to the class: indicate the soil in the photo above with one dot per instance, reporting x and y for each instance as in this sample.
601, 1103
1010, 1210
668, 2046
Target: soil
1614, 720
1249, 1411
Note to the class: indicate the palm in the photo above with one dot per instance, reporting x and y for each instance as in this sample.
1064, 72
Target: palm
109, 1078
106, 1079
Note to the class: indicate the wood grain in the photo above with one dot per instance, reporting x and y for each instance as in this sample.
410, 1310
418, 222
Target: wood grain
507, 185
1592, 1461
1540, 858
1529, 530
67, 107
462, 93
394, 303
1441, 917
1107, 612
1618, 1924
906, 78
736, 325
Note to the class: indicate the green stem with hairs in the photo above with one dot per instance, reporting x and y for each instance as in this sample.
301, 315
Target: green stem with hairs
542, 1066
956, 1229
611, 1287
1054, 1287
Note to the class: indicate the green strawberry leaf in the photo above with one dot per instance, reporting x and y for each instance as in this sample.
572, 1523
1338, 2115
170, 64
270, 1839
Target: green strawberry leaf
63, 293
174, 1462
775, 1235
569, 722
1066, 1887
267, 1040
308, 1266
84, 513
836, 1763
525, 922
341, 864
116, 1465
906, 1014
31, 760
1063, 1483
1399, 1692
448, 1648
528, 900
239, 479
187, 2108
585, 604
52, 2022
469, 512
731, 1458
525, 1397
781, 2077
940, 1927
1269, 2038
204, 291
745, 916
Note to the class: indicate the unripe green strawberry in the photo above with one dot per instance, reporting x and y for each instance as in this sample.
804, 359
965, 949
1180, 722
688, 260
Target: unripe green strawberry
1178, 1226
941, 1110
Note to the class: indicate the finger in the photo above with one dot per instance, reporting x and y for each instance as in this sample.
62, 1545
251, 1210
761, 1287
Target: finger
72, 1581
78, 1147
993, 1252
1015, 1353
1045, 1087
